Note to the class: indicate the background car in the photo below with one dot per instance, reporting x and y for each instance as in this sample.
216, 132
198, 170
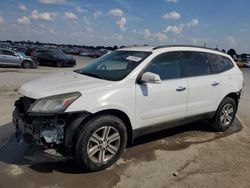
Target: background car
94, 53
247, 62
30, 51
54, 57
238, 61
73, 51
86, 53
10, 58
240, 64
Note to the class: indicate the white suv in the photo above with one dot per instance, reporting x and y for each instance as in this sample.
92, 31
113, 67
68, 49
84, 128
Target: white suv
93, 113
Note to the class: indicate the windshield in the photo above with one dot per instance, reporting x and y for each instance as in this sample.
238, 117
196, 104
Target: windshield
114, 66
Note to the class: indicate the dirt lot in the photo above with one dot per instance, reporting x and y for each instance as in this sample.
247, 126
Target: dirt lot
188, 156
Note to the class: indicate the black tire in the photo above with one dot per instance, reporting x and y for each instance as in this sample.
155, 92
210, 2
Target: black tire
84, 139
218, 123
26, 64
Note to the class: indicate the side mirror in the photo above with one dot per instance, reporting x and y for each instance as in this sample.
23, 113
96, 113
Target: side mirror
149, 77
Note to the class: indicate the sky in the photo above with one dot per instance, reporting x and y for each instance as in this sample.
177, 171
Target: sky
218, 23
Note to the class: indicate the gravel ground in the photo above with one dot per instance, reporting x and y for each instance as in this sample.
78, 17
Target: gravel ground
188, 156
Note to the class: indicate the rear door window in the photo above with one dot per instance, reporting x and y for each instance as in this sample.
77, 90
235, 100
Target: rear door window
194, 64
219, 63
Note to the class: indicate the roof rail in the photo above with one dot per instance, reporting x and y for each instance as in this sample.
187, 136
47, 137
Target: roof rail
133, 46
193, 46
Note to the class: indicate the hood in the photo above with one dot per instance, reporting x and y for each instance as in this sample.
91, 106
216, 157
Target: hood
61, 83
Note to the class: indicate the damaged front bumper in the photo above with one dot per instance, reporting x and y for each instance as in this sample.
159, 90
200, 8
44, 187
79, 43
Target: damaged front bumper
47, 130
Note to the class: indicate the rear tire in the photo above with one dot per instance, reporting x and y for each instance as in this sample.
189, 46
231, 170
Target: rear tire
26, 64
100, 142
225, 115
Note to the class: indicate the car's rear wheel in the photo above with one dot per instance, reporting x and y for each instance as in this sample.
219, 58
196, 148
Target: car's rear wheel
225, 115
27, 64
100, 142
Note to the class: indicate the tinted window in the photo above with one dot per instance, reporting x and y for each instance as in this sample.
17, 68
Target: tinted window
6, 52
166, 65
195, 64
219, 63
1, 52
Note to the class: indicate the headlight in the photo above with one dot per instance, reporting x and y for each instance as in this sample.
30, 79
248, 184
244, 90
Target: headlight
56, 103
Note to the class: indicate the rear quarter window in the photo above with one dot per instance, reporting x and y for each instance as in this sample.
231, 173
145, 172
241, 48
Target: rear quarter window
219, 63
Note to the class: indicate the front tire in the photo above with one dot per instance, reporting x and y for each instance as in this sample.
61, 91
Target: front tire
225, 115
100, 142
27, 64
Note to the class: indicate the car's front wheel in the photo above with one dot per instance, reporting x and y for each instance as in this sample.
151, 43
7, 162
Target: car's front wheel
101, 142
225, 115
27, 64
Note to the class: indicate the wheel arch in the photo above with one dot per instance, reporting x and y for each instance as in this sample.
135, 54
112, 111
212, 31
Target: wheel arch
124, 117
235, 96
77, 121
25, 60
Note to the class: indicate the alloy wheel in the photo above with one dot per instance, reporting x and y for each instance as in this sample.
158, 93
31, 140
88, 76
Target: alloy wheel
26, 64
103, 144
227, 114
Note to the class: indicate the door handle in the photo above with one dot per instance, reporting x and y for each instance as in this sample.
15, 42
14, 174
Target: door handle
180, 88
214, 83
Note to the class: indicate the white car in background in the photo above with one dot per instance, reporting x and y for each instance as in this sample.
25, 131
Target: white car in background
93, 113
